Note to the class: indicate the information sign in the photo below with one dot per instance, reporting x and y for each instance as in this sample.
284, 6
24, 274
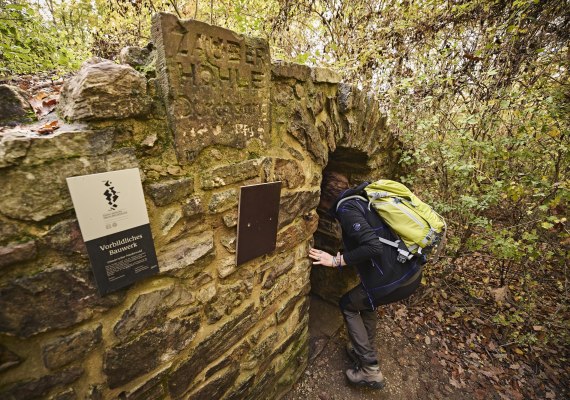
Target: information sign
114, 223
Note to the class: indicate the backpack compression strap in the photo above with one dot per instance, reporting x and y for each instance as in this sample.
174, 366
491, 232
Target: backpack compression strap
403, 253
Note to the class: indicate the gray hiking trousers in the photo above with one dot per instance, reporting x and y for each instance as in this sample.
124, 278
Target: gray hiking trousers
360, 318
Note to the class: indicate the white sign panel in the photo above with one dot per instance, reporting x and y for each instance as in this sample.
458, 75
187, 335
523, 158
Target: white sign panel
113, 218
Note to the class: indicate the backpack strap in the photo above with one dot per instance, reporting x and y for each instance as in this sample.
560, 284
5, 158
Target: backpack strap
403, 253
350, 198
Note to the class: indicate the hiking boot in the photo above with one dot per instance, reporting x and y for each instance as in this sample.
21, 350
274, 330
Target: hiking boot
367, 375
352, 354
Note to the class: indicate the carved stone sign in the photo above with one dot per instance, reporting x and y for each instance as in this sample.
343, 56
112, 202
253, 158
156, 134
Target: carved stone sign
215, 84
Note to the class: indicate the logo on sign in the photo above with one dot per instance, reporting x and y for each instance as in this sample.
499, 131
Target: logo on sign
111, 195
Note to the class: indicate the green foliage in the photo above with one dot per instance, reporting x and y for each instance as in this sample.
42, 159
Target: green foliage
24, 46
476, 90
29, 42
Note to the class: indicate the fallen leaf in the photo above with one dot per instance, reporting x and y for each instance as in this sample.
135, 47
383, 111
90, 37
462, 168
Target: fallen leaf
500, 295
42, 105
41, 95
48, 128
455, 383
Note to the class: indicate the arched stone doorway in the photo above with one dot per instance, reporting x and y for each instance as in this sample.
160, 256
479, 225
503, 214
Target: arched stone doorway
364, 151
329, 284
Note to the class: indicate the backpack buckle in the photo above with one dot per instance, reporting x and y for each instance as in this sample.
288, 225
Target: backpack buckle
404, 256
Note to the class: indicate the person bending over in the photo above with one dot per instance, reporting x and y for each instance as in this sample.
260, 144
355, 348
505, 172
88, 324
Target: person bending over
383, 279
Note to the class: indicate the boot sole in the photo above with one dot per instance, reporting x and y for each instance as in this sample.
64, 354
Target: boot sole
373, 385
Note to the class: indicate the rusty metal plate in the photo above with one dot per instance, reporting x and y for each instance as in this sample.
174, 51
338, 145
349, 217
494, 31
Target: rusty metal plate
257, 220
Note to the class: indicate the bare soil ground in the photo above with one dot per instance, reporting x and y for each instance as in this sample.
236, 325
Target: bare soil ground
417, 362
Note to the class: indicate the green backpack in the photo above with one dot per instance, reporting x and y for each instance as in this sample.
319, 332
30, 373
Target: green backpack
419, 227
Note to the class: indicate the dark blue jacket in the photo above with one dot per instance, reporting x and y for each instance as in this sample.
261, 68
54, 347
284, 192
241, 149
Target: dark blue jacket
375, 262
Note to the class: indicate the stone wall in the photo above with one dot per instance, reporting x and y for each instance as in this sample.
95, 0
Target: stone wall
202, 328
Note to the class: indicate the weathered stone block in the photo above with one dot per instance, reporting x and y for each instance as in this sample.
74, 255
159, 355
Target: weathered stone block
153, 388
193, 207
290, 173
38, 192
226, 267
213, 347
14, 106
135, 56
217, 387
56, 298
264, 384
233, 173
168, 219
296, 233
66, 349
302, 127
231, 296
296, 204
69, 144
126, 362
229, 242
186, 252
282, 69
262, 350
345, 97
17, 252
104, 90
230, 219
206, 294
272, 295
13, 149
242, 389
119, 159
287, 309
324, 75
223, 201
318, 103
39, 388
277, 269
65, 237
68, 394
8, 359
215, 84
163, 193
147, 312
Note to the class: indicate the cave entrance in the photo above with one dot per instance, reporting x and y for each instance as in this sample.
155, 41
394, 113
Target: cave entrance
328, 284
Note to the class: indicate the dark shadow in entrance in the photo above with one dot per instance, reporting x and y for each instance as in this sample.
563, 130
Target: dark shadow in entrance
328, 284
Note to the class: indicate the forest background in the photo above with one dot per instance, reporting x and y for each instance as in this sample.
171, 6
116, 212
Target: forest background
478, 94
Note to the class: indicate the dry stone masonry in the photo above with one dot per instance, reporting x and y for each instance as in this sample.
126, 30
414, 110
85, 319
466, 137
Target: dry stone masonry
216, 115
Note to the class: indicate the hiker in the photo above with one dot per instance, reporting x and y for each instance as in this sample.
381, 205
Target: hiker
383, 279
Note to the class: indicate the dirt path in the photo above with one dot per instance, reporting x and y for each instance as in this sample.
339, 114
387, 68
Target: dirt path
416, 366
405, 364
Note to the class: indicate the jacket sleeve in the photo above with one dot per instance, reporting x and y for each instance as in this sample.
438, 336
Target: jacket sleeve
354, 225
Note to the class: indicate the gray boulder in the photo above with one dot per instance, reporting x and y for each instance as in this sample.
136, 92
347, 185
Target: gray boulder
136, 57
14, 107
104, 90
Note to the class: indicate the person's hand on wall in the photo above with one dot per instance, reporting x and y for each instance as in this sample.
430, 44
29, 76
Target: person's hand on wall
325, 259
